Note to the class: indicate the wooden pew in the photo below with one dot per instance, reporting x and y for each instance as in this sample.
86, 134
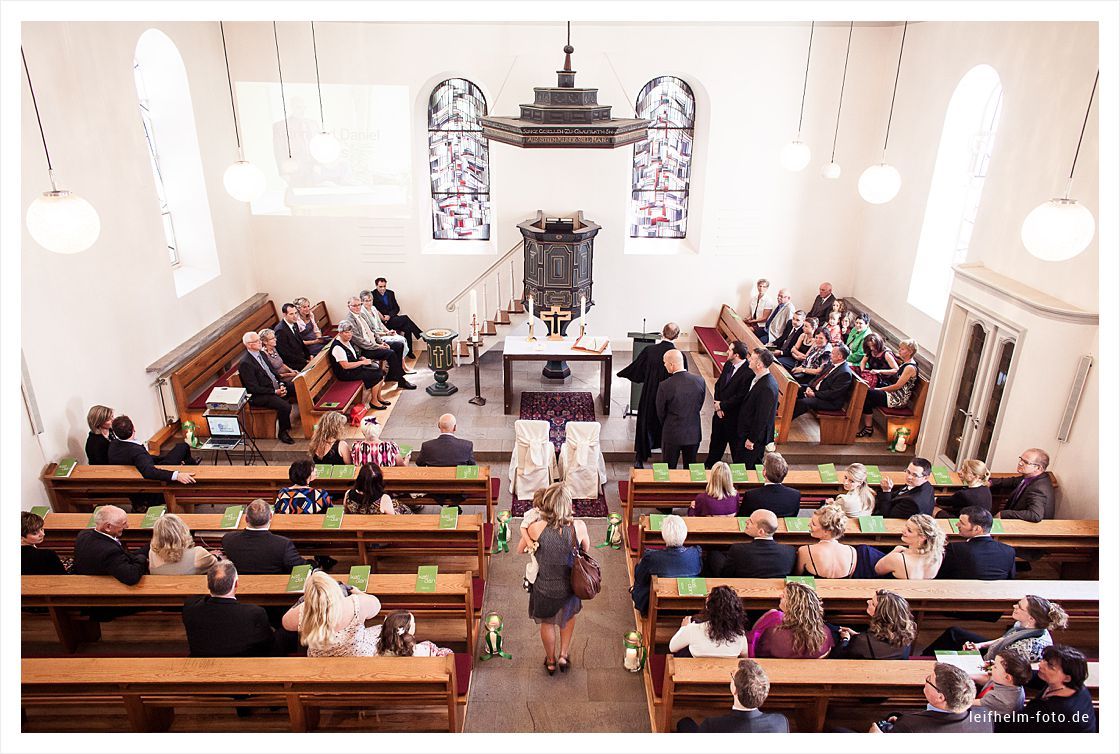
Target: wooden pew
839, 427
932, 602
413, 535
315, 386
803, 690
62, 596
910, 416
87, 486
151, 689
323, 319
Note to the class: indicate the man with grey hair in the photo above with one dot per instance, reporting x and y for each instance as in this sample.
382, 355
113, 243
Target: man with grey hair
266, 389
680, 398
774, 325
220, 626
256, 549
391, 338
100, 552
372, 346
675, 560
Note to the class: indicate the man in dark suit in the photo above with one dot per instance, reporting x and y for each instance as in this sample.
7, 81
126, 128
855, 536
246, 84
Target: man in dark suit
831, 388
679, 401
950, 693
265, 387
749, 689
756, 418
1032, 494
822, 304
100, 552
220, 626
913, 498
784, 344
730, 390
648, 370
978, 557
386, 302
447, 449
370, 344
289, 341
126, 450
257, 550
759, 558
772, 496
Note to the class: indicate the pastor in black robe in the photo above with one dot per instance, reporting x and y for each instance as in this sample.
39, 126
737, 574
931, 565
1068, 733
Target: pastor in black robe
649, 370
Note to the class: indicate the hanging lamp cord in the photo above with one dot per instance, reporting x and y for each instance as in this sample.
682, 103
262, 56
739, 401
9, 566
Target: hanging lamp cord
843, 80
39, 120
318, 84
805, 86
890, 116
229, 80
283, 102
1079, 138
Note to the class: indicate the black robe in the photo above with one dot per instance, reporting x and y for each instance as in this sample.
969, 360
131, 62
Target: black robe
649, 370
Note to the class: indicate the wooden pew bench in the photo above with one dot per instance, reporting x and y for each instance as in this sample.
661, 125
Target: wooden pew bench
909, 417
806, 691
323, 319
452, 600
318, 392
151, 689
839, 426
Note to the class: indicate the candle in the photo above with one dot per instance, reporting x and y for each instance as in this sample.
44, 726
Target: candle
530, 306
474, 304
631, 661
583, 308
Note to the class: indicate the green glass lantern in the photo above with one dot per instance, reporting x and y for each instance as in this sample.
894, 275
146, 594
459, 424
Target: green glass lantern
492, 642
634, 645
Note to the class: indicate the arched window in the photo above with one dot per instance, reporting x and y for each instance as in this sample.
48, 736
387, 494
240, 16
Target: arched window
459, 160
663, 162
167, 117
954, 193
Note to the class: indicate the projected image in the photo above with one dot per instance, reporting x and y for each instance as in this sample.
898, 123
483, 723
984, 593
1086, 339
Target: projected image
371, 122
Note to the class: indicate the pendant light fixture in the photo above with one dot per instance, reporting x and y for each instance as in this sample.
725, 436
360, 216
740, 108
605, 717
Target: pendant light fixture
880, 183
795, 155
1061, 228
832, 169
59, 220
324, 147
243, 180
287, 166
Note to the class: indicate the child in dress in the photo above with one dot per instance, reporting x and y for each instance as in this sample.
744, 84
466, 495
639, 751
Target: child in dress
530, 517
833, 327
398, 638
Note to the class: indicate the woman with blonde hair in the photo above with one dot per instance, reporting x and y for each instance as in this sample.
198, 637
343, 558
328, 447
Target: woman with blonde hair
552, 603
100, 421
331, 618
858, 499
720, 497
827, 558
373, 449
897, 388
796, 630
889, 636
975, 474
919, 556
327, 445
173, 551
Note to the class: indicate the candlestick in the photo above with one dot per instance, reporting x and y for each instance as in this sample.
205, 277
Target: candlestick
583, 307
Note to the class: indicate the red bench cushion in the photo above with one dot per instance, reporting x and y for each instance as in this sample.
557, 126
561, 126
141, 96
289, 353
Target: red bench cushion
623, 489
339, 392
478, 589
900, 411
462, 672
199, 403
828, 412
714, 343
632, 536
657, 672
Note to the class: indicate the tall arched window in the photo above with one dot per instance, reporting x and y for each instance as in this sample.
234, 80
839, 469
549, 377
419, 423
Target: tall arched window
663, 162
167, 118
459, 160
954, 193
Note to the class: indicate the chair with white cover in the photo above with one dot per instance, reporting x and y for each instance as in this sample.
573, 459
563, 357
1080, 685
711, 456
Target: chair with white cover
582, 466
532, 465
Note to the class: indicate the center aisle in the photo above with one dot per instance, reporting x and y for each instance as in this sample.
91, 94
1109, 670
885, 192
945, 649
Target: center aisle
596, 695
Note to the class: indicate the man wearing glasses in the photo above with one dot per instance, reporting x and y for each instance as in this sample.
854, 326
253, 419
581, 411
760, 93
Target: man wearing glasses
1032, 494
949, 695
916, 496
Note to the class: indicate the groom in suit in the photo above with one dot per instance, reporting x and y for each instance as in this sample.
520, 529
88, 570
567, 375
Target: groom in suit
831, 389
749, 689
679, 401
755, 429
730, 390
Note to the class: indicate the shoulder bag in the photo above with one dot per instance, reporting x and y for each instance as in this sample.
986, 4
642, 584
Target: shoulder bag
587, 579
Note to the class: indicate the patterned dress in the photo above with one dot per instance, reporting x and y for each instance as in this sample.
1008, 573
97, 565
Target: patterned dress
302, 500
354, 640
355, 502
383, 453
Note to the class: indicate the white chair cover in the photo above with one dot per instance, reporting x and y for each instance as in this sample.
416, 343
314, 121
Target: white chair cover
581, 460
532, 465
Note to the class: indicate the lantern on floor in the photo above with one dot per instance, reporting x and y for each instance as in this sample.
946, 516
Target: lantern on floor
492, 645
614, 532
501, 537
635, 658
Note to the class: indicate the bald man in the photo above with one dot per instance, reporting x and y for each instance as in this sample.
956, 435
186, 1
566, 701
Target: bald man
822, 304
761, 557
679, 401
447, 449
648, 370
99, 551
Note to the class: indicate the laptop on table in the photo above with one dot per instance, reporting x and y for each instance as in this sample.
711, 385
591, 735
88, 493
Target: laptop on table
225, 433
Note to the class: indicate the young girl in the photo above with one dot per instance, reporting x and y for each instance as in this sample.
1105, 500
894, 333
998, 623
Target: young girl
398, 638
833, 328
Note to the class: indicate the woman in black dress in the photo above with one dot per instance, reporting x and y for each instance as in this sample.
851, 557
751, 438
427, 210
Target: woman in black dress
890, 635
975, 474
33, 561
327, 445
100, 421
1065, 706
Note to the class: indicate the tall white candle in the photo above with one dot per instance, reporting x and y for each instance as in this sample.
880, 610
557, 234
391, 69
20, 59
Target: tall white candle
530, 306
474, 303
583, 310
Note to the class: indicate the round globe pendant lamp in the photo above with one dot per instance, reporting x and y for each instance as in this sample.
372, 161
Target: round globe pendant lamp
324, 147
832, 171
243, 180
1061, 228
796, 155
880, 183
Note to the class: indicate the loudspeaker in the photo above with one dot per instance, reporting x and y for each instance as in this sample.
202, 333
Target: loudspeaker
1080, 377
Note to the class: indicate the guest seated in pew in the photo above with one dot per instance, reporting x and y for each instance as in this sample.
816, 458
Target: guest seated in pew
375, 450
173, 551
833, 329
772, 496
327, 444
823, 302
395, 340
761, 304
288, 346
799, 349
370, 344
385, 301
309, 330
396, 637
265, 386
816, 358
257, 550
791, 334
100, 421
878, 362
890, 635
447, 449
978, 557
331, 619
916, 496
348, 364
949, 693
1065, 706
1034, 618
796, 630
720, 497
830, 390
1032, 494
33, 560
100, 552
273, 356
749, 688
858, 499
126, 450
760, 557
368, 497
920, 554
1003, 692
827, 558
977, 494
220, 626
720, 631
897, 389
775, 325
675, 561
300, 496
855, 337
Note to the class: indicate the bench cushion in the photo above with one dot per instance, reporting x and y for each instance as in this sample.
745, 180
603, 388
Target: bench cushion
900, 411
829, 412
478, 589
199, 403
632, 536
462, 672
339, 392
657, 672
623, 489
714, 343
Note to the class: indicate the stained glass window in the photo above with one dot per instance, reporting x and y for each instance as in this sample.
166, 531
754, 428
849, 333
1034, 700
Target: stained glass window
663, 162
459, 161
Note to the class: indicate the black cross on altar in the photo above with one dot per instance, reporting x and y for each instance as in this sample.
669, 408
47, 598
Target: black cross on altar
553, 317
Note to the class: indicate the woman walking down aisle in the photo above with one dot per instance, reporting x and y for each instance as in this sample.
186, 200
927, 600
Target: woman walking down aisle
552, 603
